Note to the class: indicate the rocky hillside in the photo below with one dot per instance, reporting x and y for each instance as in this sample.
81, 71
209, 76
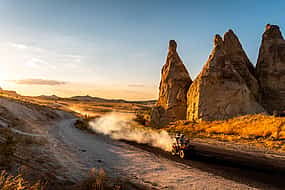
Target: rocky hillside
228, 85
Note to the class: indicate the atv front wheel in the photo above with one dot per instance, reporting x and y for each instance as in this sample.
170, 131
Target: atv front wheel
173, 152
181, 154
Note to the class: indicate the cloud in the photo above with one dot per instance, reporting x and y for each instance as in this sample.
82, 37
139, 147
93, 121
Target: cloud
38, 82
39, 63
44, 58
35, 63
19, 46
28, 48
136, 85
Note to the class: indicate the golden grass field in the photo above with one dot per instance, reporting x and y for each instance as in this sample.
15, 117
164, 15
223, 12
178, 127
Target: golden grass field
262, 130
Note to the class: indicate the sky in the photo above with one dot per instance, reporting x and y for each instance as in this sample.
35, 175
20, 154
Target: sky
116, 49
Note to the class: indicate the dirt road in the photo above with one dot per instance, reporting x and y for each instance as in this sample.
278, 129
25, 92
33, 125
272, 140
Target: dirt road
79, 151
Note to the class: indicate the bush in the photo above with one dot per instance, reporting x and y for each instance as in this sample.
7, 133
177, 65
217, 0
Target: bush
275, 113
143, 117
97, 180
83, 123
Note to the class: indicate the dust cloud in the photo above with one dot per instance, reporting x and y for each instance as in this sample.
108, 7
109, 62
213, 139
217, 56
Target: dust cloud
122, 127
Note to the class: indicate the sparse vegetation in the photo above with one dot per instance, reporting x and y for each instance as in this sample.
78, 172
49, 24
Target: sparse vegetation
97, 180
143, 116
83, 122
267, 130
10, 182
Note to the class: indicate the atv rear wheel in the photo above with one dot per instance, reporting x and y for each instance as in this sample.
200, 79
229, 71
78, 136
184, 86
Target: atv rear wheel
181, 154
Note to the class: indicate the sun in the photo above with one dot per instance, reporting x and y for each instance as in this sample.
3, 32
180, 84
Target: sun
2, 83
6, 75
3, 80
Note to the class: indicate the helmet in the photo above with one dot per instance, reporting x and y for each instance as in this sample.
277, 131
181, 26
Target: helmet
178, 135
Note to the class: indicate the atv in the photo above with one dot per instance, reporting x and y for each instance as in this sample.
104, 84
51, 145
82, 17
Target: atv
181, 148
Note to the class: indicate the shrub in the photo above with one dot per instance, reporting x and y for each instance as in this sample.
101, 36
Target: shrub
97, 180
83, 123
275, 113
143, 116
9, 182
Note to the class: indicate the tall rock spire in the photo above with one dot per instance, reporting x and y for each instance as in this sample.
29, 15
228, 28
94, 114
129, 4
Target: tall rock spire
220, 91
270, 69
174, 84
238, 58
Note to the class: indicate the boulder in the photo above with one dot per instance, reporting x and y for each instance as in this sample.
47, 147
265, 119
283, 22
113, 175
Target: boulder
175, 81
270, 69
222, 89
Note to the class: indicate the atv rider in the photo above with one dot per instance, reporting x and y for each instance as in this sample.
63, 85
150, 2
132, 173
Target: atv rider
180, 139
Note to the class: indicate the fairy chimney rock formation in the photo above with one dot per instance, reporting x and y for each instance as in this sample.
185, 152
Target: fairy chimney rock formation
270, 69
238, 58
174, 84
225, 87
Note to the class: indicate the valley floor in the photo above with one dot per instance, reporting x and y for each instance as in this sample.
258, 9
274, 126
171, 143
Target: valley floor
69, 153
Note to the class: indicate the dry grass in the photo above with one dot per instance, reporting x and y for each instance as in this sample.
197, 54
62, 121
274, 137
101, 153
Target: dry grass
97, 180
83, 123
142, 115
269, 130
9, 182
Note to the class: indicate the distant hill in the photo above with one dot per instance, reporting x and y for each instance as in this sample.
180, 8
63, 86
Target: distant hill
8, 92
88, 98
97, 99
52, 97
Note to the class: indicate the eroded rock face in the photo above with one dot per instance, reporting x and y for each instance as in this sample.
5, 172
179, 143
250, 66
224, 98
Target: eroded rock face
238, 58
270, 69
222, 90
174, 84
